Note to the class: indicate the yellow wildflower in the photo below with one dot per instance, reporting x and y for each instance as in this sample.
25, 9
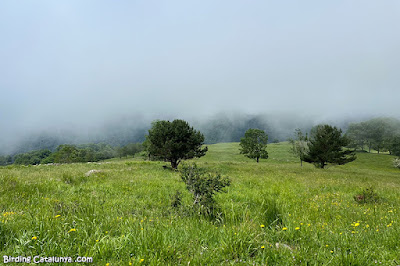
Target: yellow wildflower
356, 224
72, 230
262, 226
34, 237
262, 247
284, 228
141, 260
57, 216
297, 228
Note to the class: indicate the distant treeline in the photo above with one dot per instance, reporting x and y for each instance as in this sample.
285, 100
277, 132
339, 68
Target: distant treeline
216, 129
67, 153
380, 134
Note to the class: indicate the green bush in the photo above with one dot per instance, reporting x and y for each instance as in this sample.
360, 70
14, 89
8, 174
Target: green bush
203, 186
367, 195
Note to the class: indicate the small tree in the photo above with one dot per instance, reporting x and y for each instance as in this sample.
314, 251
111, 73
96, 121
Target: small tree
326, 146
203, 187
299, 145
254, 144
174, 141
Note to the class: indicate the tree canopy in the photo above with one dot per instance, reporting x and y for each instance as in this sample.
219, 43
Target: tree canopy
326, 145
174, 141
254, 144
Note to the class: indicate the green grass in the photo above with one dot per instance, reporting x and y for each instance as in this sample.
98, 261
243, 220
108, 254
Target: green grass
123, 214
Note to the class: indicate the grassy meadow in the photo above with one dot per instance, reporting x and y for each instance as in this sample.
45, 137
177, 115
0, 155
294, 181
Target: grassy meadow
274, 213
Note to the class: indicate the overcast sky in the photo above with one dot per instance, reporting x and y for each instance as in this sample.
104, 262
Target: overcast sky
72, 62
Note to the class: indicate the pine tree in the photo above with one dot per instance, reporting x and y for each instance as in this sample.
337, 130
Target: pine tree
326, 146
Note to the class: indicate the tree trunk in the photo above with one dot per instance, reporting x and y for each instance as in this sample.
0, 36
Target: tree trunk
301, 163
174, 164
258, 159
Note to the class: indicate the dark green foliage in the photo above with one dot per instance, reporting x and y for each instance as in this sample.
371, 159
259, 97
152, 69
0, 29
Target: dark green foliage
367, 195
68, 154
326, 146
174, 141
129, 150
95, 152
33, 157
254, 144
203, 187
81, 153
6, 160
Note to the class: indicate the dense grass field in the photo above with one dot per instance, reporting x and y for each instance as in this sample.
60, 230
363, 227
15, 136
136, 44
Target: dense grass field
274, 213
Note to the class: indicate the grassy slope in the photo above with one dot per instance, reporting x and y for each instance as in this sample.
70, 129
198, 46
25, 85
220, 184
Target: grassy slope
123, 214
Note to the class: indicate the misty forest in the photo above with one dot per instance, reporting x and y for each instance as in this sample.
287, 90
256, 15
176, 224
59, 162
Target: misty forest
208, 133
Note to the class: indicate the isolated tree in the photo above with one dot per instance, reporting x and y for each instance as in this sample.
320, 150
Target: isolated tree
299, 145
326, 145
254, 144
174, 141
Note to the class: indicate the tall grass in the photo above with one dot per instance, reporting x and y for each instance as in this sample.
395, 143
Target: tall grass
275, 212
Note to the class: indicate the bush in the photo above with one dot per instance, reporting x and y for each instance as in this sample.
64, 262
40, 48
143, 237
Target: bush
203, 187
367, 195
396, 163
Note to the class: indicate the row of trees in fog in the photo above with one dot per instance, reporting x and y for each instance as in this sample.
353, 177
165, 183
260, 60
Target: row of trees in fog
177, 140
380, 134
67, 153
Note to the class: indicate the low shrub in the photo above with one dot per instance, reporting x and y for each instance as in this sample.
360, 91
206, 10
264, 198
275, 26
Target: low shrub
203, 186
367, 195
